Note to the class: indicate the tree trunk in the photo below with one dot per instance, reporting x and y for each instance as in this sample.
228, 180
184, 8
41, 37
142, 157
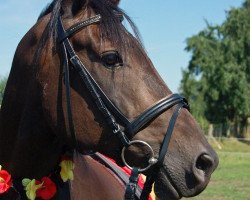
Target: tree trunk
210, 130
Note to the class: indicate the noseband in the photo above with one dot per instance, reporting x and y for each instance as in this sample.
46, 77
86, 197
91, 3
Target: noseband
125, 129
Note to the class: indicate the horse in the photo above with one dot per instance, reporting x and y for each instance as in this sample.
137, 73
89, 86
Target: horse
81, 83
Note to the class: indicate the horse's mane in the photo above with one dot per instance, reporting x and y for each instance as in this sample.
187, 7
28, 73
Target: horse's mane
47, 9
110, 26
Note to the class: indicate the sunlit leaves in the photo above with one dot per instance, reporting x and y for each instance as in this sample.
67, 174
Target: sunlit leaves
217, 79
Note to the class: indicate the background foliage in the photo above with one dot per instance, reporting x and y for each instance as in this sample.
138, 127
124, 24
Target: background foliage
217, 80
2, 87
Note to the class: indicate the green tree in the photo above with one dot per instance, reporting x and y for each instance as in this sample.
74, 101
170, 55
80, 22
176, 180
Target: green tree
2, 87
218, 76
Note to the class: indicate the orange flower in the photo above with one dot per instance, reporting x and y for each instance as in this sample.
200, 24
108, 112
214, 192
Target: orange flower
5, 181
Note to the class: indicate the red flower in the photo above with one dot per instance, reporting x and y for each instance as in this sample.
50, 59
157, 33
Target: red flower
5, 181
48, 189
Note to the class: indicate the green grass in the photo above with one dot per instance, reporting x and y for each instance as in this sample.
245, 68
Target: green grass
231, 145
231, 180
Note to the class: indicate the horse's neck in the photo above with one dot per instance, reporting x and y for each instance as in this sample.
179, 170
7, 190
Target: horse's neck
6, 142
18, 94
93, 181
1, 140
38, 146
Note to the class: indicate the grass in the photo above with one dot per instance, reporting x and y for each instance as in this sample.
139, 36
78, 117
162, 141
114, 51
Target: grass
231, 180
231, 145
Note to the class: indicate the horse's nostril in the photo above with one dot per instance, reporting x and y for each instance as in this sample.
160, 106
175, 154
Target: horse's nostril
204, 163
203, 168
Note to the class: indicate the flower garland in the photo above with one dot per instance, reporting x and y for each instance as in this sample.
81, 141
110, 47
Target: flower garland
45, 188
5, 181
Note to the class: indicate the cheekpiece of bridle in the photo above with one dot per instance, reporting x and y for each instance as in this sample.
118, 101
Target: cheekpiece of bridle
125, 129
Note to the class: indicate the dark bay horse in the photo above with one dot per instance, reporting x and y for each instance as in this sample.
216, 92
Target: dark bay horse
80, 80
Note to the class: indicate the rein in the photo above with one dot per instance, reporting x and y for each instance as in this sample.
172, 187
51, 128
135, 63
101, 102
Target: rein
125, 129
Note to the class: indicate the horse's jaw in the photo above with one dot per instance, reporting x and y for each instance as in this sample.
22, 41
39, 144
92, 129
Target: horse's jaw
164, 189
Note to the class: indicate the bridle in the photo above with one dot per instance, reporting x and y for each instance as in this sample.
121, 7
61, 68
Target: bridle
125, 129
111, 113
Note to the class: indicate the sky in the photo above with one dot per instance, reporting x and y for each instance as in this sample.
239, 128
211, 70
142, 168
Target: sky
164, 25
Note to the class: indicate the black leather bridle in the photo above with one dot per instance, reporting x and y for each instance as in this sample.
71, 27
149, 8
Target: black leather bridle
125, 129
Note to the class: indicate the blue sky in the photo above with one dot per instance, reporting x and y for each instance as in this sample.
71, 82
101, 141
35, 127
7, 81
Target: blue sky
164, 26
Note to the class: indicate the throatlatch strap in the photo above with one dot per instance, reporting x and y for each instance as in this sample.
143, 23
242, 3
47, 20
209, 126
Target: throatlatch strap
132, 185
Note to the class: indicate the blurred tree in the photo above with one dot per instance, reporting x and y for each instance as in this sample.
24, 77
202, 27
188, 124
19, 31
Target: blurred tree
217, 79
2, 87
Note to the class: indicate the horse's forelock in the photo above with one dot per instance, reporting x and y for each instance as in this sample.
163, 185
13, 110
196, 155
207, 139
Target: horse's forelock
110, 26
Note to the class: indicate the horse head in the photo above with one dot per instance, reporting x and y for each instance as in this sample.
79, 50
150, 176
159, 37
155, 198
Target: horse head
112, 88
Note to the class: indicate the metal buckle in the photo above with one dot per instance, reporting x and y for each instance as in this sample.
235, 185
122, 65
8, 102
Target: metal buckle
74, 57
117, 129
151, 161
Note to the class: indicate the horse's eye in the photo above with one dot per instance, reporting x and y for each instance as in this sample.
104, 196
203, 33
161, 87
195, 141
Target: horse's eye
111, 59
